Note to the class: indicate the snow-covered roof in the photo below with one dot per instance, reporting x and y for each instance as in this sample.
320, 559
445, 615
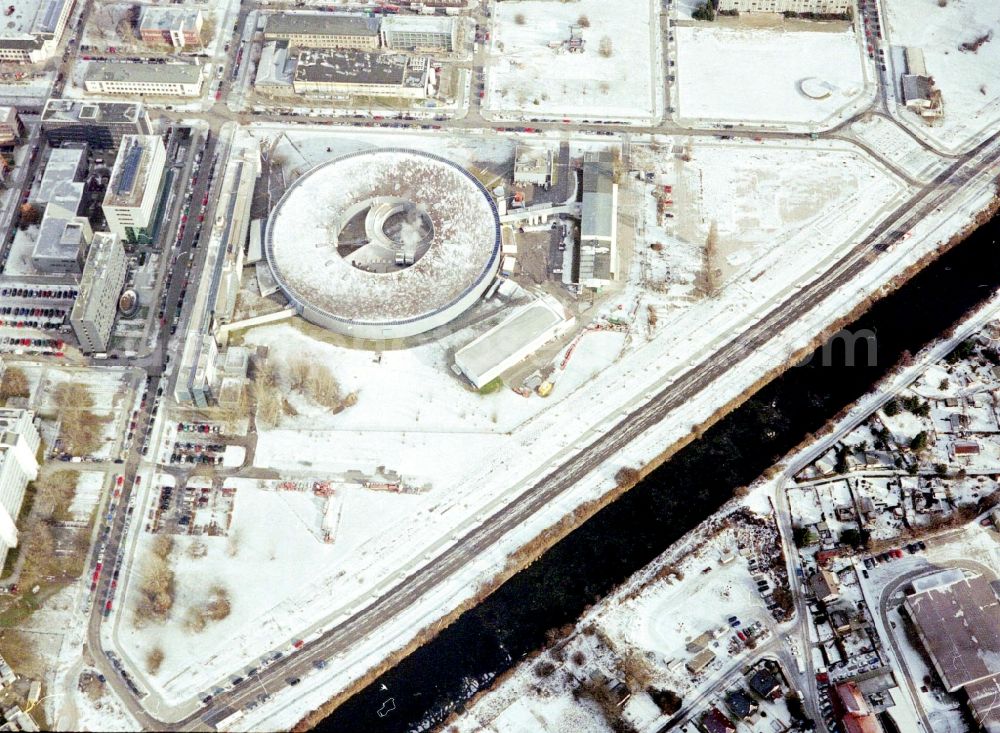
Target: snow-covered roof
302, 235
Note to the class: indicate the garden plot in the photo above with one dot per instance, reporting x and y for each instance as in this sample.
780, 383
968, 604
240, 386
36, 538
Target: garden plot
969, 80
614, 76
727, 74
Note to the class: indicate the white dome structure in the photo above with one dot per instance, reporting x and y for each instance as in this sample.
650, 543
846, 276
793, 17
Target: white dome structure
384, 243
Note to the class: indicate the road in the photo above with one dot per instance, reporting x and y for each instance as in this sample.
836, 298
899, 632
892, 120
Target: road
400, 596
396, 597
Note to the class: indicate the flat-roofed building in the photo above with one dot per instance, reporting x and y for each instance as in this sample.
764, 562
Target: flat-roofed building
177, 26
31, 29
275, 69
139, 79
599, 220
957, 617
360, 73
419, 33
533, 164
93, 313
100, 125
198, 380
800, 7
11, 128
512, 340
64, 165
19, 441
323, 30
134, 188
63, 235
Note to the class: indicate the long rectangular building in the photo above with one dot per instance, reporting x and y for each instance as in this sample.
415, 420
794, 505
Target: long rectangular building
360, 73
419, 33
511, 341
101, 125
599, 221
19, 441
799, 7
138, 79
323, 30
93, 313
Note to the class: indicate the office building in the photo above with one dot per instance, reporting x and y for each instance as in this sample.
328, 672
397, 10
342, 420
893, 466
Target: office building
101, 125
11, 128
177, 26
19, 441
31, 30
93, 313
155, 80
323, 30
360, 73
134, 188
799, 7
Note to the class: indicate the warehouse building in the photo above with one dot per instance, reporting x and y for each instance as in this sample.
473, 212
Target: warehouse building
360, 73
134, 188
323, 30
419, 33
32, 29
179, 27
957, 618
19, 441
93, 313
155, 80
799, 7
599, 221
100, 125
512, 341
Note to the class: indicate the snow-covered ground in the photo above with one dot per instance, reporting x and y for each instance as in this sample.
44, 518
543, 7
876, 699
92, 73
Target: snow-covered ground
969, 81
885, 137
396, 534
527, 78
729, 74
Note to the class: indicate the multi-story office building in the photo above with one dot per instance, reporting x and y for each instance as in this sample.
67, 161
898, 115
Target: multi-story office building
134, 188
19, 443
100, 125
11, 129
360, 73
31, 30
323, 30
93, 313
816, 7
154, 80
179, 27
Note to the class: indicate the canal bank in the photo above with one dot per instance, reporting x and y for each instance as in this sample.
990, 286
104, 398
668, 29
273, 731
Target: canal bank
625, 535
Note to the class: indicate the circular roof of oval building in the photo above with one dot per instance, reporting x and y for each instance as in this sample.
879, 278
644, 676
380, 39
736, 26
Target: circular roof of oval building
383, 236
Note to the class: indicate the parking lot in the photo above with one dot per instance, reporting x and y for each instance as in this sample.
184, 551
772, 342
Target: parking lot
200, 507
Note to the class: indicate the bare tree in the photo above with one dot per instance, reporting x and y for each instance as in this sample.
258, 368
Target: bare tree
605, 48
154, 659
14, 384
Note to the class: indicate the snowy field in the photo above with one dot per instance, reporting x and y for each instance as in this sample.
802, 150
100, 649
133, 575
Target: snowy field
778, 209
895, 145
969, 81
527, 78
727, 74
